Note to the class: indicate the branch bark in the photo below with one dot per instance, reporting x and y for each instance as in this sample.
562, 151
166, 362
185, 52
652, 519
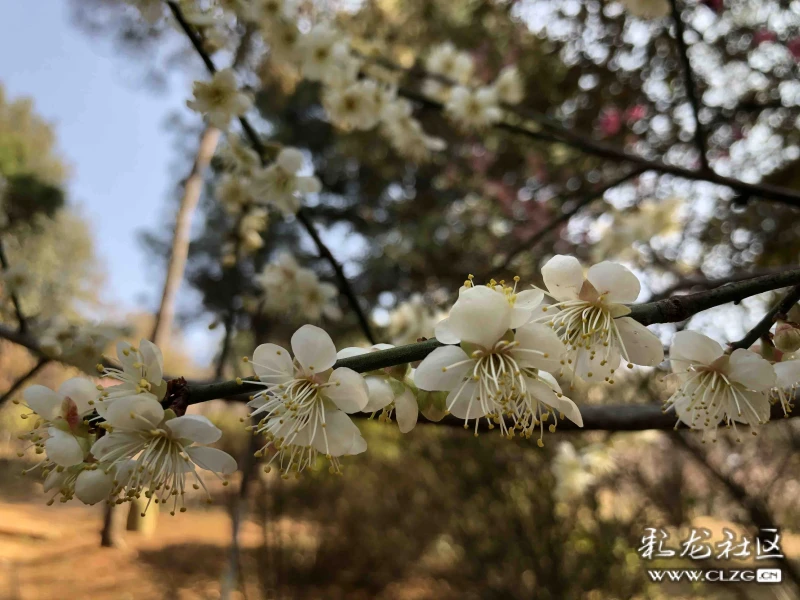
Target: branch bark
22, 323
689, 84
766, 323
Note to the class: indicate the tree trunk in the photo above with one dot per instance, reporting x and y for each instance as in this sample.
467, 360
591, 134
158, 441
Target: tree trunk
192, 188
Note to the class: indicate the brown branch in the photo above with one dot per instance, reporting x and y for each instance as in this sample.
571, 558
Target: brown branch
764, 325
689, 84
23, 379
534, 239
22, 323
551, 131
678, 308
253, 137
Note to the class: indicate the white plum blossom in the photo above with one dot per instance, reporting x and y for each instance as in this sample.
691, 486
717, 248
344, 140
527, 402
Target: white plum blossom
80, 345
388, 390
647, 9
295, 290
166, 450
589, 317
717, 387
284, 39
358, 105
495, 372
571, 471
142, 372
304, 405
280, 184
447, 61
238, 157
787, 380
322, 49
219, 99
405, 133
413, 319
317, 298
235, 192
473, 109
61, 429
508, 86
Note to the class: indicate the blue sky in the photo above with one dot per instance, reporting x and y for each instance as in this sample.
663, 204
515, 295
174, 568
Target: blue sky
111, 131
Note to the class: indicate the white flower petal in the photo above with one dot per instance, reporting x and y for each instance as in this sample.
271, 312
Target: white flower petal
436, 373
760, 413
349, 352
141, 411
43, 401
153, 360
82, 392
272, 364
529, 299
93, 486
194, 427
480, 316
350, 392
63, 448
127, 357
788, 373
212, 459
752, 371
539, 347
692, 347
380, 393
54, 480
339, 435
406, 411
463, 403
615, 281
542, 392
563, 276
444, 333
594, 371
642, 345
313, 348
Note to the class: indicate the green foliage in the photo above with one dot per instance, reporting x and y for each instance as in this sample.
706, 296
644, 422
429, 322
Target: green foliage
27, 143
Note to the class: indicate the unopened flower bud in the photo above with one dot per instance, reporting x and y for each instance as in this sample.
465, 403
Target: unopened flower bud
787, 337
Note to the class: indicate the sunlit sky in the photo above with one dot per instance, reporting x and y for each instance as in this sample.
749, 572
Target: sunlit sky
111, 131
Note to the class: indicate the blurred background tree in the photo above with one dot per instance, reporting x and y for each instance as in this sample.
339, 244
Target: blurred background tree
438, 514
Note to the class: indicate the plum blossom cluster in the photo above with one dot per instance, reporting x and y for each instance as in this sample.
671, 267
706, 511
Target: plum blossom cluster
116, 443
352, 99
247, 190
732, 389
289, 288
79, 345
470, 105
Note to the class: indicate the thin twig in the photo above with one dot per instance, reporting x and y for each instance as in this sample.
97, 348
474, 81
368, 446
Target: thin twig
689, 84
537, 237
22, 323
550, 130
764, 325
253, 137
23, 379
